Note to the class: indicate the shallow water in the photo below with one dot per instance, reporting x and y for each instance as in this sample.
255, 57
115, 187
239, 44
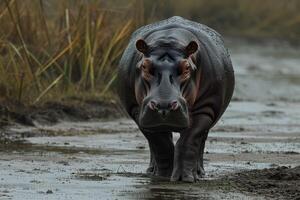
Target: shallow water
266, 72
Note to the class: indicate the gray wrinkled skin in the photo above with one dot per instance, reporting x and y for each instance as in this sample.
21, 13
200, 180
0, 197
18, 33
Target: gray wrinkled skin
211, 85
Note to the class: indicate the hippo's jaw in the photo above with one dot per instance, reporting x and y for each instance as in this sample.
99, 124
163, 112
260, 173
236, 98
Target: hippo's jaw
174, 120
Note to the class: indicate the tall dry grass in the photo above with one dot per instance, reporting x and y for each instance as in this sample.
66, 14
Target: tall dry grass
50, 48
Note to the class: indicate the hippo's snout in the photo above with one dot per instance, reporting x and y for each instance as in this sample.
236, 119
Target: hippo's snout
163, 108
167, 114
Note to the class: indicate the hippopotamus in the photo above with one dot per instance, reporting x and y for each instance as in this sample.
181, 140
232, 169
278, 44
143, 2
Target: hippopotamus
175, 76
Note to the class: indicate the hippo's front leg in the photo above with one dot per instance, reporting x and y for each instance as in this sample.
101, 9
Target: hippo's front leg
162, 153
188, 157
152, 165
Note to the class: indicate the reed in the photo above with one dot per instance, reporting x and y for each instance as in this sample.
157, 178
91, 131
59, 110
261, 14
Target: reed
49, 49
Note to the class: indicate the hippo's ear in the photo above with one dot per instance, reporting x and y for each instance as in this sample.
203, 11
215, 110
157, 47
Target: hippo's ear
191, 48
141, 46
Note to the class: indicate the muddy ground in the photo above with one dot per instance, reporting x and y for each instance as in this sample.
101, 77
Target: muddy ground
252, 153
65, 109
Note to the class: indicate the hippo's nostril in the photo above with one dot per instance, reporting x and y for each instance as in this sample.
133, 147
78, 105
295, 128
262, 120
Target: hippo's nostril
163, 113
153, 105
173, 105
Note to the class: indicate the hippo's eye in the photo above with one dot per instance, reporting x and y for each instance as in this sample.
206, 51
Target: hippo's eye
184, 71
151, 71
147, 71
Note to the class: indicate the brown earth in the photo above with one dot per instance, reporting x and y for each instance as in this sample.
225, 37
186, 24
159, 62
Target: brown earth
278, 183
69, 109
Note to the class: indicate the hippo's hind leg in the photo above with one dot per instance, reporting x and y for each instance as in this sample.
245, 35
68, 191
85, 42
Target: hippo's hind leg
188, 156
162, 153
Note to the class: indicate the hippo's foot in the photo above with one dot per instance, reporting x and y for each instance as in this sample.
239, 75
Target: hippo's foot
200, 171
150, 170
155, 171
166, 171
185, 175
188, 173
152, 166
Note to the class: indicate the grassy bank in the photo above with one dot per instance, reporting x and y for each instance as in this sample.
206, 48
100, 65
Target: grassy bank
50, 49
53, 49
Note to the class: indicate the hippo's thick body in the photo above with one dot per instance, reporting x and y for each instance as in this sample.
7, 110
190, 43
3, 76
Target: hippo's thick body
176, 75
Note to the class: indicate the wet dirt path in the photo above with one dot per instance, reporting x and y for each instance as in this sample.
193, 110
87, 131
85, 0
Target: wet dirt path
107, 160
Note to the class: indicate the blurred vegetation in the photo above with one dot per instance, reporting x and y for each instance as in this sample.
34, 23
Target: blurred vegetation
51, 49
247, 18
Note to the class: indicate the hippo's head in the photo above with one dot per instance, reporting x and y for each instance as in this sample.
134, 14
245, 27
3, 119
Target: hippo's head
164, 85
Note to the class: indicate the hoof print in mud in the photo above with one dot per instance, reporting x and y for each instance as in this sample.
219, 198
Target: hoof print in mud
176, 76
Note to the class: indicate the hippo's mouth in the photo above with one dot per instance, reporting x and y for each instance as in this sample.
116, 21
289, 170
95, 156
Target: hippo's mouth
153, 121
164, 128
